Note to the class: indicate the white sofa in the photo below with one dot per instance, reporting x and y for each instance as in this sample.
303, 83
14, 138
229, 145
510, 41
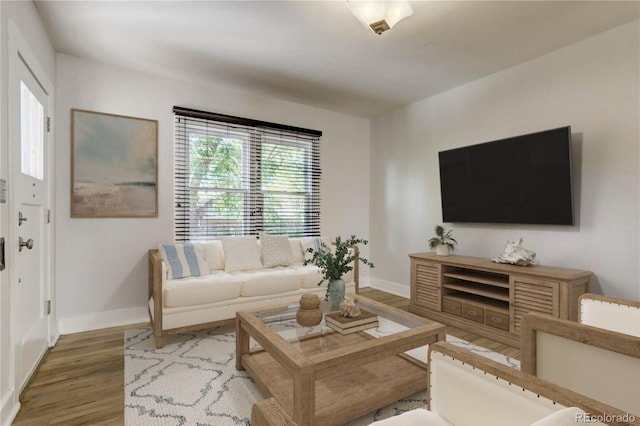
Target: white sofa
250, 274
469, 389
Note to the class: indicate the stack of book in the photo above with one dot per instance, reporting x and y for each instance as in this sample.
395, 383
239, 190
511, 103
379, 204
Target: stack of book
345, 325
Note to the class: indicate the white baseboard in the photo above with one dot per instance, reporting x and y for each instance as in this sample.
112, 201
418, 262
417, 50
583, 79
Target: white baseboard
103, 320
390, 287
9, 408
364, 282
53, 340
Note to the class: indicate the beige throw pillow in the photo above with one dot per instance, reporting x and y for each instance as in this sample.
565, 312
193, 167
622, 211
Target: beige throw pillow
213, 254
296, 250
276, 250
241, 254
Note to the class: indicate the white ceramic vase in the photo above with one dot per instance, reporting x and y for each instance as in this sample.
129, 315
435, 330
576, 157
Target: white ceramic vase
442, 250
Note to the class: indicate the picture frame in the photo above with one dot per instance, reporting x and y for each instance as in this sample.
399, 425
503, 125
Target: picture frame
114, 165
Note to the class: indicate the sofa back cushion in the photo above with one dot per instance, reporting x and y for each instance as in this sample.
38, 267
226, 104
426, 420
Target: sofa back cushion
213, 254
183, 260
241, 254
297, 256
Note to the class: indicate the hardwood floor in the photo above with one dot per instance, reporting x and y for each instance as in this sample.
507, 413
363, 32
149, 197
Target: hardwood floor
81, 379
80, 382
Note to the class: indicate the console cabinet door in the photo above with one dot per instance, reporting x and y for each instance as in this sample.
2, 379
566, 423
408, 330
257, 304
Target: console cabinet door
426, 289
532, 295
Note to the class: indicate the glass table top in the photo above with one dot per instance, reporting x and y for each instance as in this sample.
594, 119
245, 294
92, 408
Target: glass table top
321, 338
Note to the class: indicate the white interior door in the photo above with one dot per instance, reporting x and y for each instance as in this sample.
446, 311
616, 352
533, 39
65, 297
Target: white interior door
28, 221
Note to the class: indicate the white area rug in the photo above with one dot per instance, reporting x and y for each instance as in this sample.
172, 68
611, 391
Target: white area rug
193, 381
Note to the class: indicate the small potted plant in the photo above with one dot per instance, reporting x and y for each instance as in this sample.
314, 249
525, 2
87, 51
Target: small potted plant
443, 242
334, 262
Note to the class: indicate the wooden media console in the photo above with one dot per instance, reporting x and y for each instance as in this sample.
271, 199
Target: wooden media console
489, 298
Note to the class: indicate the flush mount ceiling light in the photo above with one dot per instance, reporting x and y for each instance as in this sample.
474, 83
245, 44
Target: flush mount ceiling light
380, 16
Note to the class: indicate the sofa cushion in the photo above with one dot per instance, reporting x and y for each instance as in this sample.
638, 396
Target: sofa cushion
241, 254
268, 281
310, 275
183, 260
296, 250
216, 287
213, 254
276, 250
417, 417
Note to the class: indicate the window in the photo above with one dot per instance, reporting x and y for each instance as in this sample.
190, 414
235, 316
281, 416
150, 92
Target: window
236, 176
31, 134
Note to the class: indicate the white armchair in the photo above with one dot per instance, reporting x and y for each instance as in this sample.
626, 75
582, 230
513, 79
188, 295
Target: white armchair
589, 357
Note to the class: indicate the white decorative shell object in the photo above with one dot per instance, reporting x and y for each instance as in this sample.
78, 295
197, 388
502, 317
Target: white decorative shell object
515, 254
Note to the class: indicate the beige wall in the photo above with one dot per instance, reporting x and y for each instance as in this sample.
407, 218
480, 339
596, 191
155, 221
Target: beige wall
592, 86
101, 266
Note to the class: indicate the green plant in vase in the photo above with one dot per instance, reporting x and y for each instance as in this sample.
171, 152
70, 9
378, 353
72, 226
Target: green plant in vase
443, 242
334, 262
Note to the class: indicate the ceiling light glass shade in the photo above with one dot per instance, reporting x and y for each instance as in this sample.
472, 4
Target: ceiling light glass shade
380, 16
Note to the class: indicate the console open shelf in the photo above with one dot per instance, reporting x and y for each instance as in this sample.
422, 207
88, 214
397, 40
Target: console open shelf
486, 291
496, 280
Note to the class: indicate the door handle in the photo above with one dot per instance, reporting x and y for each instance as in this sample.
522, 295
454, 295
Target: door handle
21, 218
22, 243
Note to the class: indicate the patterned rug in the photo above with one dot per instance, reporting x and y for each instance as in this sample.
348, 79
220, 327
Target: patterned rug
193, 381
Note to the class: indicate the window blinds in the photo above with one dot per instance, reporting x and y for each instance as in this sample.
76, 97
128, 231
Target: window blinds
235, 176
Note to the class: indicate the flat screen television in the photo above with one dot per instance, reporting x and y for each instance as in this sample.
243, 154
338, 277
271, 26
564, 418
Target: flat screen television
524, 179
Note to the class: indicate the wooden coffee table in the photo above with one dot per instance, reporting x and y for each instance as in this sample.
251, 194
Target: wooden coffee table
320, 376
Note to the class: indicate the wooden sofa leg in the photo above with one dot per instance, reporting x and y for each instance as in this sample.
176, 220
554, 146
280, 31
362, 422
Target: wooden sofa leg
159, 342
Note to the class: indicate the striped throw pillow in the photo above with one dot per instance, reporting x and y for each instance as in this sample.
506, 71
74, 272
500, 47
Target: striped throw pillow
184, 260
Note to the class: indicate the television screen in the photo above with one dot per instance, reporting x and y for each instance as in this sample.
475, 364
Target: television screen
524, 179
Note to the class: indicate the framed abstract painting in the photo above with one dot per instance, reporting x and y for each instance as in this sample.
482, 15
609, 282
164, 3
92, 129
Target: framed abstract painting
114, 165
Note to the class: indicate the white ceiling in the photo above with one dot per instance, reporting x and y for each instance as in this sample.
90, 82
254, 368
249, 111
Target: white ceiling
316, 52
